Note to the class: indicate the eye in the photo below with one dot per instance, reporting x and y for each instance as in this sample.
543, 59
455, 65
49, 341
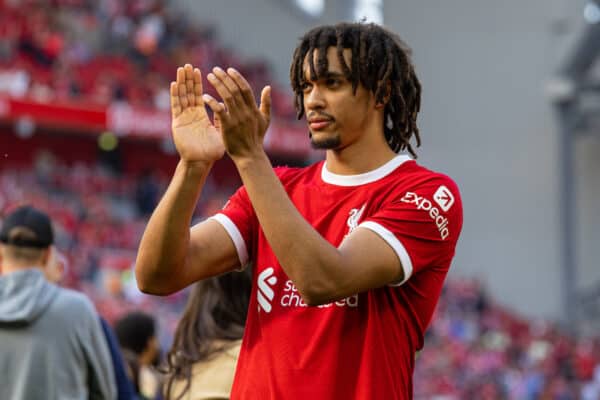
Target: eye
305, 86
333, 82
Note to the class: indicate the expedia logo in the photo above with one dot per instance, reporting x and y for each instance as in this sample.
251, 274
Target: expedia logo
265, 294
444, 197
441, 222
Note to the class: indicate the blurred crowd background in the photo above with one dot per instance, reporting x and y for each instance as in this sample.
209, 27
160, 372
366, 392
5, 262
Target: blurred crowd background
82, 60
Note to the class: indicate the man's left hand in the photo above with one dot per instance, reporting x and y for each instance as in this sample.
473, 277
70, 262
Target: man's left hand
243, 123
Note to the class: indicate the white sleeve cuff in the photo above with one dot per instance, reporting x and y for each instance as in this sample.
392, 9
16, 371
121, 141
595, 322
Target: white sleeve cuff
395, 244
235, 235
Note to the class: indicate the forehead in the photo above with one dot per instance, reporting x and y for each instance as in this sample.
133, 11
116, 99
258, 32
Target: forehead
333, 62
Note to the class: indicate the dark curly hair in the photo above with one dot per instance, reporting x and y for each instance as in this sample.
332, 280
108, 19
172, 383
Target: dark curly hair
380, 62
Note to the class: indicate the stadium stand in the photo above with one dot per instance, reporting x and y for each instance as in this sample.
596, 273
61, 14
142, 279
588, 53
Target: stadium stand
79, 55
478, 349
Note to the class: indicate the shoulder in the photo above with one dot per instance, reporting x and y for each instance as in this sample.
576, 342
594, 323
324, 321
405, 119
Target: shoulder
414, 177
287, 174
213, 378
222, 360
418, 192
227, 355
76, 302
421, 174
233, 350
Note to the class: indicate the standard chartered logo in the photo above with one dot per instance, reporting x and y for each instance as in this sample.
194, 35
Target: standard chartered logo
265, 293
290, 297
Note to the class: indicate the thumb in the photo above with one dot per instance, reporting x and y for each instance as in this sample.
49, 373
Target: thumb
217, 122
265, 103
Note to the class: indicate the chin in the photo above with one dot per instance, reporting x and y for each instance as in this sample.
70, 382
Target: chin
324, 141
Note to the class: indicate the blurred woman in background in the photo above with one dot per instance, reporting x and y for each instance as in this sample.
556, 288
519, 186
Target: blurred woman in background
137, 333
201, 363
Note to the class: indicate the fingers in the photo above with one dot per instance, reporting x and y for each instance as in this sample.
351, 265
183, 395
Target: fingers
180, 76
182, 94
226, 87
198, 87
243, 85
175, 105
233, 88
217, 122
181, 90
189, 86
217, 108
265, 103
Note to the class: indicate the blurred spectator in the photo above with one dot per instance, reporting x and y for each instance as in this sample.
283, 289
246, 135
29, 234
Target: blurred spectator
94, 51
125, 390
51, 341
55, 271
97, 222
201, 363
472, 337
477, 349
147, 193
137, 336
78, 51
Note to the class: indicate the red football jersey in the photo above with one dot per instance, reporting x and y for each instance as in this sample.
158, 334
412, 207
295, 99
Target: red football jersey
363, 346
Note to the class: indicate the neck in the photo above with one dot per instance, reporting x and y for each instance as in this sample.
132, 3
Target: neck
145, 359
359, 157
8, 268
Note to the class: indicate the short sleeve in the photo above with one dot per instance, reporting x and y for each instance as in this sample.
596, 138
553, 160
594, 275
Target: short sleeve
422, 224
240, 222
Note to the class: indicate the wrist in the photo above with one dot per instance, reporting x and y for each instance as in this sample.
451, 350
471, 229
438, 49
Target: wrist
194, 167
247, 160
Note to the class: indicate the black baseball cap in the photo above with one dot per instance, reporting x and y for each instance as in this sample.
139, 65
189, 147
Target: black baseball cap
31, 219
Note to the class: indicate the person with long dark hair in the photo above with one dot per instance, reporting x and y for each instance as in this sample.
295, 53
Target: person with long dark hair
201, 362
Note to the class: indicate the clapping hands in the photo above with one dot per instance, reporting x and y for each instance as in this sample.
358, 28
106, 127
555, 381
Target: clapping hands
239, 124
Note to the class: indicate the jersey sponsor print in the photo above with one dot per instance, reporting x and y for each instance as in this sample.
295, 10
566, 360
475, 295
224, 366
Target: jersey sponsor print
443, 197
361, 346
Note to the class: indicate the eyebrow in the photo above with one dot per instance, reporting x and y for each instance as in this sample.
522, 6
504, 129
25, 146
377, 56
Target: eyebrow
333, 74
326, 75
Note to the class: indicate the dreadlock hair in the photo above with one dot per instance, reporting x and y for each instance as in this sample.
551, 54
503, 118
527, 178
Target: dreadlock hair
380, 62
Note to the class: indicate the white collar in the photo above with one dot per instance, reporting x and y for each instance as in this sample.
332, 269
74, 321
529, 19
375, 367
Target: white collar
367, 177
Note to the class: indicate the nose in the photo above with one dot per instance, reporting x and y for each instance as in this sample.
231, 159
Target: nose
314, 99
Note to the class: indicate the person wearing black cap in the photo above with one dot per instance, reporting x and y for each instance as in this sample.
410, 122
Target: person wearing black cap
51, 342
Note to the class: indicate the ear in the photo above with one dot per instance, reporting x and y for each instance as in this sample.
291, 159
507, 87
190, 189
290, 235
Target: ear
386, 97
55, 265
48, 256
59, 266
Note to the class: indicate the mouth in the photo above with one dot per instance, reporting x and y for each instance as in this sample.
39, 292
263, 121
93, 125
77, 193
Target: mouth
319, 126
319, 123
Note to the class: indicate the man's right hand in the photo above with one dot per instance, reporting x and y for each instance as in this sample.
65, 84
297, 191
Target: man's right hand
195, 136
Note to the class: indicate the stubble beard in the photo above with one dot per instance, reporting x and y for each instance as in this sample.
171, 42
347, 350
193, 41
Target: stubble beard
328, 143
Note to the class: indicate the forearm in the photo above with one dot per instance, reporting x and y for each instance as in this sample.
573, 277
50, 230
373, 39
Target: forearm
310, 261
164, 244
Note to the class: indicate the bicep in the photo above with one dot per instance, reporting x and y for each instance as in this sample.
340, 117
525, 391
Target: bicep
369, 261
211, 252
